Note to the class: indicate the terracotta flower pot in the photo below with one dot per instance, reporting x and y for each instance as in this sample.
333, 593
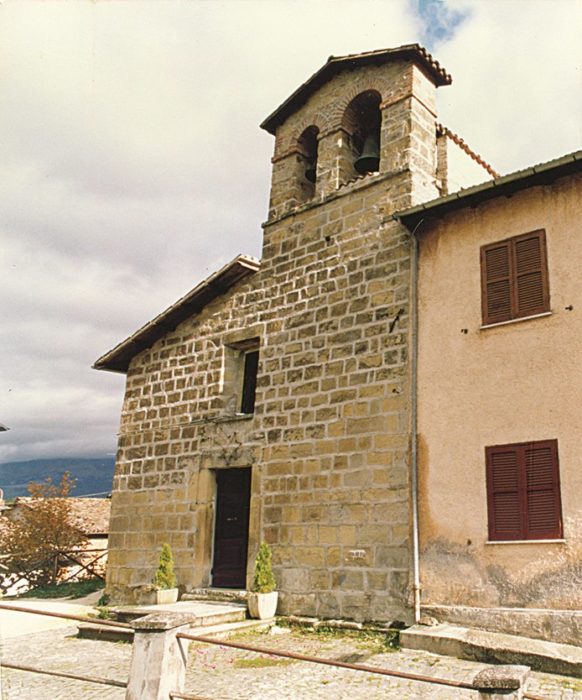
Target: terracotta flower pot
262, 606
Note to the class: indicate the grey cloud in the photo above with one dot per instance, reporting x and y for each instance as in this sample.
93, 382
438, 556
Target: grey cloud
133, 166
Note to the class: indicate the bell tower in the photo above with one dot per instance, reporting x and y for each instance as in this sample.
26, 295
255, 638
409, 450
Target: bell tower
354, 143
365, 115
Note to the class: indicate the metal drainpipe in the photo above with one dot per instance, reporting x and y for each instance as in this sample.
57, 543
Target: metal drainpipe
414, 419
414, 422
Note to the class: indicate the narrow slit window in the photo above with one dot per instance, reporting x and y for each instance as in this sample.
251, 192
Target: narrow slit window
249, 385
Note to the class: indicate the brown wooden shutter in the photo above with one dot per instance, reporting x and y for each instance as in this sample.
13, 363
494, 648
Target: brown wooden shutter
496, 282
503, 493
514, 278
523, 491
531, 293
542, 482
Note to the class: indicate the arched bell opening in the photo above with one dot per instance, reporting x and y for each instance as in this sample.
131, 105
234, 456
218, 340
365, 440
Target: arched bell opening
307, 144
362, 120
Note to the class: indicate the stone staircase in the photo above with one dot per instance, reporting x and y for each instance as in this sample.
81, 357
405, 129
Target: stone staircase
204, 615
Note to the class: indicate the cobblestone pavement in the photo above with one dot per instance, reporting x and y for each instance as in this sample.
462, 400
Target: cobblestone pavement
219, 673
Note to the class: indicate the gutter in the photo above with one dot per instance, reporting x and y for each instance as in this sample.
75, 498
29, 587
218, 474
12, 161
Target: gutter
541, 174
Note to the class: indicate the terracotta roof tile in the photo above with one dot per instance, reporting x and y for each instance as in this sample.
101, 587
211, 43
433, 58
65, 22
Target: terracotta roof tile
445, 131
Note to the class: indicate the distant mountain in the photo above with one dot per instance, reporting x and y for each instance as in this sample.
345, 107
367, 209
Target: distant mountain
94, 476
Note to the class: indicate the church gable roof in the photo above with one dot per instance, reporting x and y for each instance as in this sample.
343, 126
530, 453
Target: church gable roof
118, 359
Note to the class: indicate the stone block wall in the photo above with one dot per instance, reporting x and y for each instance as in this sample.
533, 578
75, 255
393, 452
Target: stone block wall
177, 425
334, 407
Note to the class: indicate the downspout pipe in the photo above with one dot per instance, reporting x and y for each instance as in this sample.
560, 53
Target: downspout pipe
416, 588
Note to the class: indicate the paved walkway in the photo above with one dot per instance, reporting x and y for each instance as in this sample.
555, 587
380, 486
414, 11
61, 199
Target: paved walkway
15, 624
226, 674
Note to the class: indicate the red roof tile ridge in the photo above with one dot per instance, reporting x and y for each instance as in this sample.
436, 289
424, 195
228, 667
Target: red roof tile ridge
421, 50
445, 131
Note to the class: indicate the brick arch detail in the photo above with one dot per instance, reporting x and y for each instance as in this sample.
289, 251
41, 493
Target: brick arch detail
378, 83
319, 120
289, 142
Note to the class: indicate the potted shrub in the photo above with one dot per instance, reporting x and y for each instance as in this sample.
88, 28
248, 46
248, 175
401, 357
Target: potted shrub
165, 578
262, 599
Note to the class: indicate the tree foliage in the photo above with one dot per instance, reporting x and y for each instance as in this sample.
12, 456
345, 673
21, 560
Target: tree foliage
39, 529
165, 576
264, 579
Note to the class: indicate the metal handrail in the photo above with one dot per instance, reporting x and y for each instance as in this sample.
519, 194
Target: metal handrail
234, 645
63, 674
65, 616
329, 662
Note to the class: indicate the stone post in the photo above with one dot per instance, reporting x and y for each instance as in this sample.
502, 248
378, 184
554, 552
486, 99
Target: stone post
158, 659
501, 682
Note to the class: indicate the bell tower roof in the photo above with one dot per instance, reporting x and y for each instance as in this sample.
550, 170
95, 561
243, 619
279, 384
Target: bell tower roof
335, 64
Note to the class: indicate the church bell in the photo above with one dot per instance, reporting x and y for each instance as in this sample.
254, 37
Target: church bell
369, 159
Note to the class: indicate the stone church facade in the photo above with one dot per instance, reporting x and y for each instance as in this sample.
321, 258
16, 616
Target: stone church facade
273, 401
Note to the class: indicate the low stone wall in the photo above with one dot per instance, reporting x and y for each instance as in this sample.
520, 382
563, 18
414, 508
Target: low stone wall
560, 626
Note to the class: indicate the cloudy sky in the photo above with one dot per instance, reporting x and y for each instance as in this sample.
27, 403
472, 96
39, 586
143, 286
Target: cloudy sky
132, 164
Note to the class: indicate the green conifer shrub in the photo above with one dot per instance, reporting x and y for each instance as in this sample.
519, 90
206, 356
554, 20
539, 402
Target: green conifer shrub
264, 579
165, 576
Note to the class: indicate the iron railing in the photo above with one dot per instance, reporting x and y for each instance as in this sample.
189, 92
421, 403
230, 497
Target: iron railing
178, 695
63, 674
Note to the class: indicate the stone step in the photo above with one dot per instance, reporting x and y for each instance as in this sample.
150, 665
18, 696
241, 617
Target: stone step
494, 647
217, 594
104, 634
110, 634
201, 613
553, 625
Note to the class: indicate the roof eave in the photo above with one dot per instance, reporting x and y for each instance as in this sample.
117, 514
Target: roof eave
118, 359
506, 185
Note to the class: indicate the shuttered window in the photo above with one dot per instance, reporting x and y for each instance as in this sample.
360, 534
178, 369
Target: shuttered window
514, 278
523, 491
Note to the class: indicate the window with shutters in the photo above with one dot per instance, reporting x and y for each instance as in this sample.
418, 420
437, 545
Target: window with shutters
523, 491
514, 278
